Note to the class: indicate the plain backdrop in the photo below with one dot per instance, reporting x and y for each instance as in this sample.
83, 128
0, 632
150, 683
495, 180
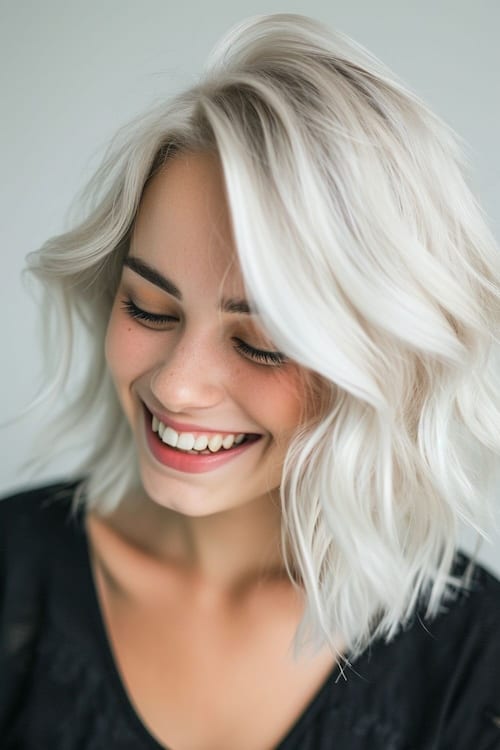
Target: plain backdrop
73, 71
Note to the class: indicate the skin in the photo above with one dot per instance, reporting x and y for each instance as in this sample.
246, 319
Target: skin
190, 579
223, 526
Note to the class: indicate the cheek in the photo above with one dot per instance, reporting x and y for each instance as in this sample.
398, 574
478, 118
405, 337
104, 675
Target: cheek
277, 402
113, 345
124, 347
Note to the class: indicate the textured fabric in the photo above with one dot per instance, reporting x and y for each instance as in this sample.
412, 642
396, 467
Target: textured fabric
435, 686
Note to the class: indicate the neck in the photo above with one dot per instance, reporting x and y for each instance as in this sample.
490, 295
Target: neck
225, 552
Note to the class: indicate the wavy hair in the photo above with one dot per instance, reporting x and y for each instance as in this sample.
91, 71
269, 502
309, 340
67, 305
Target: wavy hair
349, 195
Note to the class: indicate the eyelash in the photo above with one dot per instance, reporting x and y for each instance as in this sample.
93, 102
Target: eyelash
257, 355
138, 314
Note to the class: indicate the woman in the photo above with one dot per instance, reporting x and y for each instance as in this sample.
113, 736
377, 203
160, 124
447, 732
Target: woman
292, 300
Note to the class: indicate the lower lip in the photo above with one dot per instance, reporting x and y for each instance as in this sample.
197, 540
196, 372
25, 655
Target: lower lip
189, 462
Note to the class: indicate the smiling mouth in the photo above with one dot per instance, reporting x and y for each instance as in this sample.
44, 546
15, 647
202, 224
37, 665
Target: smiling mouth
199, 444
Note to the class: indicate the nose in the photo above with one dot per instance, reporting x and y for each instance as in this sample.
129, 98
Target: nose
190, 376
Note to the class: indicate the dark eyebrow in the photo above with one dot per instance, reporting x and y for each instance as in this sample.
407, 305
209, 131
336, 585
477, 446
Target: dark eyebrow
237, 306
151, 274
231, 305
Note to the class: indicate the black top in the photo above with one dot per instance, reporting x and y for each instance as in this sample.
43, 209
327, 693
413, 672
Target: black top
433, 687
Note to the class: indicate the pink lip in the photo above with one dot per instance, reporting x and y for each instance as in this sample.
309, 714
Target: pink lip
181, 427
189, 462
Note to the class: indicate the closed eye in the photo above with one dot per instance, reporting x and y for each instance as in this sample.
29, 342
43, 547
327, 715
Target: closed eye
262, 356
139, 314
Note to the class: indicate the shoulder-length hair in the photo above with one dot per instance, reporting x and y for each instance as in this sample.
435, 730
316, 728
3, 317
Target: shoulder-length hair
372, 266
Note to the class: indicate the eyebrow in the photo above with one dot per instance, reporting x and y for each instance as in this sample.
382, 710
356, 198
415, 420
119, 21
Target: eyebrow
230, 305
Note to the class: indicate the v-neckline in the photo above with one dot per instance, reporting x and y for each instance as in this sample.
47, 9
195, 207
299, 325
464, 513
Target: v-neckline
143, 733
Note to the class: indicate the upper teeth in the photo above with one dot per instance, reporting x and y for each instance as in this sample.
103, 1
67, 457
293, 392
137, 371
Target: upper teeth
186, 441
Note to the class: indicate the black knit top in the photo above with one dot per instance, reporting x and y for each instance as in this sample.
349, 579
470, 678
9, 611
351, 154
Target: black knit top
435, 686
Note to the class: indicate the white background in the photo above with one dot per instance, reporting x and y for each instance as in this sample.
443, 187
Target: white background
73, 71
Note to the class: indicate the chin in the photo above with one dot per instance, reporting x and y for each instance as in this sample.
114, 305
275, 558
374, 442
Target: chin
180, 496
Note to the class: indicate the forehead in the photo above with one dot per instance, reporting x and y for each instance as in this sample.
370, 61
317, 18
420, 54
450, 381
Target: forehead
183, 224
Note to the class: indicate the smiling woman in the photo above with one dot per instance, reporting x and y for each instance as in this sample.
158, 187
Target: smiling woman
292, 301
194, 359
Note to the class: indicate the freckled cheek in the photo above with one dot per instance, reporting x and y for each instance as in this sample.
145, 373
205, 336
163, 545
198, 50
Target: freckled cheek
126, 349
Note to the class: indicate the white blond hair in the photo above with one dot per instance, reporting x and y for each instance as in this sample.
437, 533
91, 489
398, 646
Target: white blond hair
372, 266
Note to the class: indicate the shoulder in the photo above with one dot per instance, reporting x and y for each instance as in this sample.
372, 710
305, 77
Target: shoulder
467, 626
473, 612
32, 503
437, 680
464, 645
30, 519
37, 544
443, 672
31, 548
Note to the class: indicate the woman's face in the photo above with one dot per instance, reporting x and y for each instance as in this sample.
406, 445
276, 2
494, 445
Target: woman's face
187, 356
